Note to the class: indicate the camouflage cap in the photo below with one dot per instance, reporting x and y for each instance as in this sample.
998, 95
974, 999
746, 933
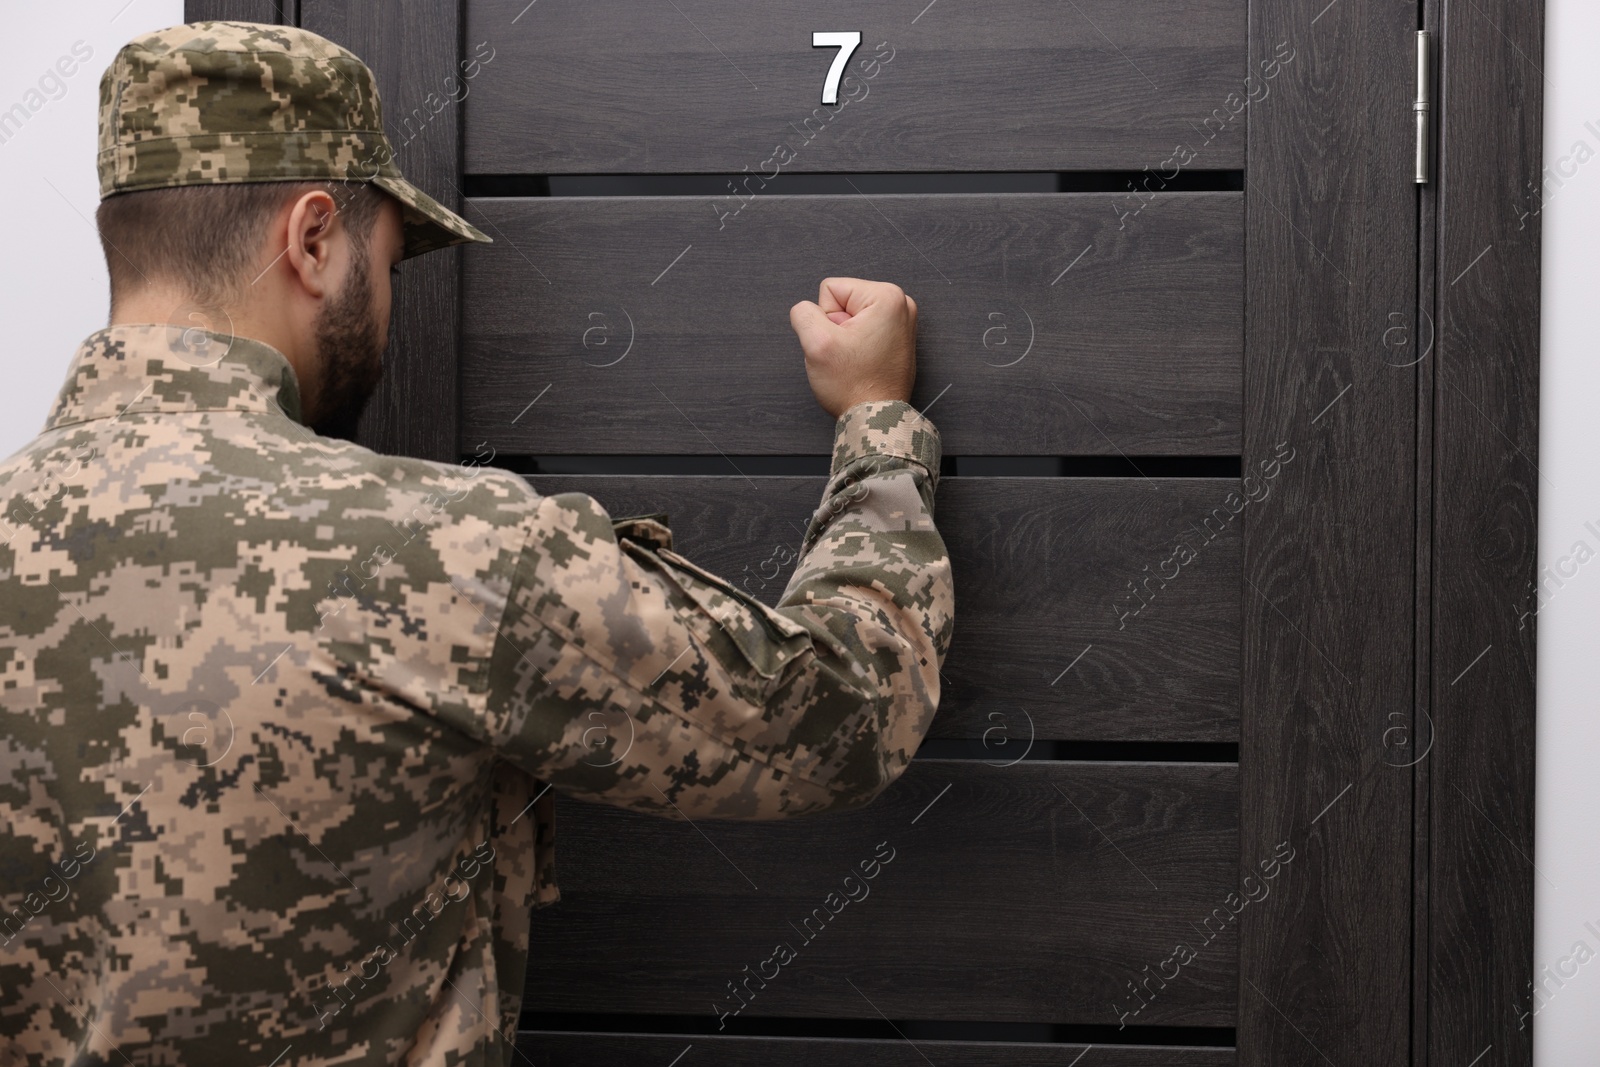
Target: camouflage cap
212, 103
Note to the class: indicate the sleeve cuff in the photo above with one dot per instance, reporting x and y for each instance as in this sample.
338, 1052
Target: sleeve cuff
886, 428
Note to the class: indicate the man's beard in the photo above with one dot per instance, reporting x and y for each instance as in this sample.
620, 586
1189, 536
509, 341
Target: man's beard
348, 348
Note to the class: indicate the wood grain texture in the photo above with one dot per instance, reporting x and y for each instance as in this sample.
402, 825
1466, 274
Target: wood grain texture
1135, 323
711, 86
280, 12
1328, 599
628, 1050
1034, 893
1485, 536
1042, 568
413, 46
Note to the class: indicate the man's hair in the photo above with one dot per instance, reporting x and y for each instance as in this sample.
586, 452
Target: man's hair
207, 239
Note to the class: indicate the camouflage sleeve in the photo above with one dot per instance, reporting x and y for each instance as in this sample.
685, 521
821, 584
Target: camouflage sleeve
629, 675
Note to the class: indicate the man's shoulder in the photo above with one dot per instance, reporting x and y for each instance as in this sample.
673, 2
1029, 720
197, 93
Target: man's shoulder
473, 481
261, 479
457, 509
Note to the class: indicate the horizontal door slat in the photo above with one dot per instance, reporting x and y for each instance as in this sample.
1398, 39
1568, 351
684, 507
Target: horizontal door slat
1047, 323
629, 1050
715, 85
1031, 893
1041, 569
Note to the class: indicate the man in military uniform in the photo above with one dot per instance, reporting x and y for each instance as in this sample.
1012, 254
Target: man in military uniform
280, 717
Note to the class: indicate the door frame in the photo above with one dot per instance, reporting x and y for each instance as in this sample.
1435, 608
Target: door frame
1479, 563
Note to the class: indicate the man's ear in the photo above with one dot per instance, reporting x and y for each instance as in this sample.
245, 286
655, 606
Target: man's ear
310, 241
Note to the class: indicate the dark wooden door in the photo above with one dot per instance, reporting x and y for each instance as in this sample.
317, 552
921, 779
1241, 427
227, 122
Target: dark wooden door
1203, 788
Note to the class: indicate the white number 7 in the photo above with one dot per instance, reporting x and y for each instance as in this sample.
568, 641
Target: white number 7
846, 41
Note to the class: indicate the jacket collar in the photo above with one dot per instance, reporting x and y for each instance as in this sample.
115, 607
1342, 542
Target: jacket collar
149, 369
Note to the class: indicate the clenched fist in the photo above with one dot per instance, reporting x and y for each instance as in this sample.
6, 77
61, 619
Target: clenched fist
860, 341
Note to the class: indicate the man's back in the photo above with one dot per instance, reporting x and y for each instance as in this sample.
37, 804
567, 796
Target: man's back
269, 778
279, 713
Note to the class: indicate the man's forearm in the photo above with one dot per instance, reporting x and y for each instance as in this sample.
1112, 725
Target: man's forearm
873, 585
717, 705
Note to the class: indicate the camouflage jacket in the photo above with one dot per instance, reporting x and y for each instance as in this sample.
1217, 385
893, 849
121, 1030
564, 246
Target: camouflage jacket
279, 715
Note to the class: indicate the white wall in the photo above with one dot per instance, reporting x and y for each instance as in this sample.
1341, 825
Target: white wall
1567, 843
52, 277
54, 287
